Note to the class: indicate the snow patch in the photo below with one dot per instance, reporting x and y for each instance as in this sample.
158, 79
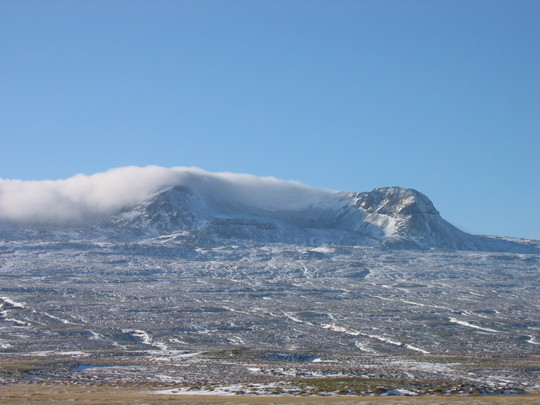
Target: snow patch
376, 337
8, 302
145, 338
532, 340
323, 249
470, 325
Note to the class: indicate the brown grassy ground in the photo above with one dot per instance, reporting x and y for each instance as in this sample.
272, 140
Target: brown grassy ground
36, 394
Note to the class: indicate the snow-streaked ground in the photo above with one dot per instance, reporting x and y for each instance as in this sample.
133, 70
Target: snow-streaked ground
296, 303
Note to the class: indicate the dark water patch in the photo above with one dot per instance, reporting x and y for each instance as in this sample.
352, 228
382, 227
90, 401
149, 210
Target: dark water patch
293, 357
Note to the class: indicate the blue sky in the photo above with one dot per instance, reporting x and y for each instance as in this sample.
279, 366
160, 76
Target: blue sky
441, 96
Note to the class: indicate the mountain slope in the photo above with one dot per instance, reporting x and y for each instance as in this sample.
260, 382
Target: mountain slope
392, 217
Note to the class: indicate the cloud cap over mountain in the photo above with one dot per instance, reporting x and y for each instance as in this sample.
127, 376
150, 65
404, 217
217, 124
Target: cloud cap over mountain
86, 197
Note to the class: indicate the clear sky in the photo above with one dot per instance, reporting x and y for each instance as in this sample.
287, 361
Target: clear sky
440, 96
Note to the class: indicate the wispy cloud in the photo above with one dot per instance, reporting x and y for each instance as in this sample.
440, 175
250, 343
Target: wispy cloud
85, 197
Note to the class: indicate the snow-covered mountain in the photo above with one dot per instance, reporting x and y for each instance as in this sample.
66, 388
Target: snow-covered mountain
210, 208
392, 217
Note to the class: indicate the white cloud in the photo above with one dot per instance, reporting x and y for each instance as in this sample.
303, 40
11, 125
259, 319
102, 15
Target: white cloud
83, 197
